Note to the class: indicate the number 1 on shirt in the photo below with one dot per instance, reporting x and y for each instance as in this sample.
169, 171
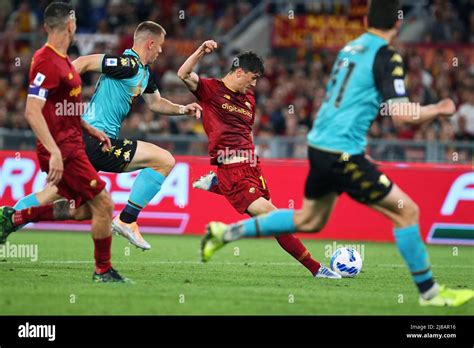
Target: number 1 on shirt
350, 69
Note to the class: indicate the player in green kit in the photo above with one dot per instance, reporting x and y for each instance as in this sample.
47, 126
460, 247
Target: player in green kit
367, 73
124, 78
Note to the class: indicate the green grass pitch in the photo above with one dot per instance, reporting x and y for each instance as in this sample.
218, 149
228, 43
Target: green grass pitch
261, 280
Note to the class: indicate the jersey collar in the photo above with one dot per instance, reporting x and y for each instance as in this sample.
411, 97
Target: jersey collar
230, 89
376, 35
136, 55
55, 50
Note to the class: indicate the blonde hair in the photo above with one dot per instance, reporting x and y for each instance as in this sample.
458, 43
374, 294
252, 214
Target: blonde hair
146, 28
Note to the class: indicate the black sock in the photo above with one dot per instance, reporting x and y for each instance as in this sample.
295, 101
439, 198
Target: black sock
425, 285
129, 214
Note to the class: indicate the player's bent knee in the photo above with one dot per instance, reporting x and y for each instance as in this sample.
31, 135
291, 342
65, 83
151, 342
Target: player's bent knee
416, 211
308, 222
315, 227
108, 205
103, 204
311, 225
168, 164
410, 214
164, 163
82, 213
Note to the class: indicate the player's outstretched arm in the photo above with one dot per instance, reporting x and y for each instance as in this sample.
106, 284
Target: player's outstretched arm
413, 114
161, 105
117, 67
186, 73
91, 62
389, 77
35, 118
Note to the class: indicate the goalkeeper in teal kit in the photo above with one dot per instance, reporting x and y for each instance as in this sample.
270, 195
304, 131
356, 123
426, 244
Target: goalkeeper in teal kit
124, 78
368, 76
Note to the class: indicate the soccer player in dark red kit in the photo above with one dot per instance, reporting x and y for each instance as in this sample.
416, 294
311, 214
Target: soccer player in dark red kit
60, 148
228, 115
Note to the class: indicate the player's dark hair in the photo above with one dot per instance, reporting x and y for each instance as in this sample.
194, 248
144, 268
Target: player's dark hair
149, 27
383, 14
249, 62
56, 14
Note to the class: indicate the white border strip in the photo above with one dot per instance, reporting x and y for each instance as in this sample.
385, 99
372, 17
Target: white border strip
183, 219
449, 241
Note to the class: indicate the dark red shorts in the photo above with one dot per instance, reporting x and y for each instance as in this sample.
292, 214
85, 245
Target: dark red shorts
80, 181
242, 184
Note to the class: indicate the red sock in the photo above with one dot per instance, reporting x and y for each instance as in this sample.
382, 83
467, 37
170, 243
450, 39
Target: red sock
102, 254
295, 248
33, 214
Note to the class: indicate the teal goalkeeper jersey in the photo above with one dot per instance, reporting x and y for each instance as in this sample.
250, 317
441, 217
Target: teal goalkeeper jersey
123, 79
367, 72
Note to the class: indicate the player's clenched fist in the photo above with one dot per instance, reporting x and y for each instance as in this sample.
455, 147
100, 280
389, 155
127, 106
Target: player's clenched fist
208, 46
193, 109
446, 107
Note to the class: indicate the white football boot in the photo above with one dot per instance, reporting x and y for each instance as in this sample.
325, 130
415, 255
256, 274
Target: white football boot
205, 182
131, 232
325, 272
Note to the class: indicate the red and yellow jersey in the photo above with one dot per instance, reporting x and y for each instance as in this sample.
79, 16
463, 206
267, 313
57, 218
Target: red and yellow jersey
53, 79
228, 117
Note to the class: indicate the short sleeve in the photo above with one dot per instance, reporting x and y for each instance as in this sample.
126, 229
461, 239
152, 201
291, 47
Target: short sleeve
44, 79
205, 89
151, 87
389, 74
119, 67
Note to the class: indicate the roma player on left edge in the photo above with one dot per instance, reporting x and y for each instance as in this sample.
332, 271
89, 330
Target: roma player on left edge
60, 148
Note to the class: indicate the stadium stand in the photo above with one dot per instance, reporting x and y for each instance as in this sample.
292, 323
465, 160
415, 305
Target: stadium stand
289, 94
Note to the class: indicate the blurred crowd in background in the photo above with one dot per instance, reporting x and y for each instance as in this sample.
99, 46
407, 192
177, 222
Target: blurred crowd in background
290, 92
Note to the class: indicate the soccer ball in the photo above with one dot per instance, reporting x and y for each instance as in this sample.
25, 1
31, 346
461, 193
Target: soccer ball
347, 262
